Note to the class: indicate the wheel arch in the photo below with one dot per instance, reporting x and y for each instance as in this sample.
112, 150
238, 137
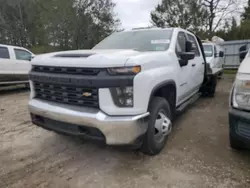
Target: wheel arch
162, 90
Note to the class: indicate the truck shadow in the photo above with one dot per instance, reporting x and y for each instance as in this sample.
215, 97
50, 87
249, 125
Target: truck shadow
6, 90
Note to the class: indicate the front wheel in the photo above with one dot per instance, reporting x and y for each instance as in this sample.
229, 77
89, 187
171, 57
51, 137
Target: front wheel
159, 126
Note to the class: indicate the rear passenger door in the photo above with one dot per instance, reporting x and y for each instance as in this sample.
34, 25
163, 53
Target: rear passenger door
197, 65
6, 65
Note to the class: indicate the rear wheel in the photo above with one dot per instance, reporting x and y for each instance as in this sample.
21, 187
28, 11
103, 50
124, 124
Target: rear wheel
159, 126
220, 76
210, 88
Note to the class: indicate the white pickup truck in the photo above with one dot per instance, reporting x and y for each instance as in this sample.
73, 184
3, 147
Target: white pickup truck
239, 112
14, 65
125, 91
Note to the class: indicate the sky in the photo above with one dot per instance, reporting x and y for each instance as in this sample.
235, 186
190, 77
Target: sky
134, 13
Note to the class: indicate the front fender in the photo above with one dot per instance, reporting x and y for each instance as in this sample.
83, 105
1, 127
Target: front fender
149, 81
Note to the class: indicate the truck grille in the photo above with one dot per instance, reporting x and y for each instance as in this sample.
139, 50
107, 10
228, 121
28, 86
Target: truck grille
66, 70
85, 97
244, 129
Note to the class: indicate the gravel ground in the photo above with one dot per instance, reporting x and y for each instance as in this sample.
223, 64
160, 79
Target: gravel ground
197, 153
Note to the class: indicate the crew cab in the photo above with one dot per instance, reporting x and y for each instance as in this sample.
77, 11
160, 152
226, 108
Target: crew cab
14, 65
124, 91
239, 112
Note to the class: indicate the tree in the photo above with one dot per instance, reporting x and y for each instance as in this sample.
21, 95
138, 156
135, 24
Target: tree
61, 24
218, 12
188, 14
246, 15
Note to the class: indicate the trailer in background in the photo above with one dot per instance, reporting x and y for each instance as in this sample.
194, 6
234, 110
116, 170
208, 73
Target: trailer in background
232, 59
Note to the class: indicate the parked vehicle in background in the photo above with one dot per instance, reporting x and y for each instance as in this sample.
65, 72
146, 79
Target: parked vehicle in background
214, 55
125, 91
14, 65
239, 113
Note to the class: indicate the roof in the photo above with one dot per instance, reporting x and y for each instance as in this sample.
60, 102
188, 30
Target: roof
4, 45
148, 29
17, 47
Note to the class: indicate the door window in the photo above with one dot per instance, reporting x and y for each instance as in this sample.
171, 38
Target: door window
22, 55
4, 53
192, 39
181, 43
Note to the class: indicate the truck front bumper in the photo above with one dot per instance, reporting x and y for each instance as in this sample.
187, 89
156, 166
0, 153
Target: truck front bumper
240, 126
80, 121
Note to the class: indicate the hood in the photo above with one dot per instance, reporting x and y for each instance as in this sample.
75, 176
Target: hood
245, 66
86, 58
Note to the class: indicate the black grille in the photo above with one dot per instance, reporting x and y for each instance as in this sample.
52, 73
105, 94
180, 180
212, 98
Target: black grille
66, 70
85, 97
244, 129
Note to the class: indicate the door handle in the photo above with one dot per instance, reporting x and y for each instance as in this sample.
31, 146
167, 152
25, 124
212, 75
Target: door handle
203, 63
193, 65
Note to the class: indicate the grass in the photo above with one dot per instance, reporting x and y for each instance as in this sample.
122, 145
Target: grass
230, 71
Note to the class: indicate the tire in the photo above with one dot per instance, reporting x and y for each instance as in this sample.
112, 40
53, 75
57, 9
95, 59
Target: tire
220, 76
235, 143
210, 89
151, 145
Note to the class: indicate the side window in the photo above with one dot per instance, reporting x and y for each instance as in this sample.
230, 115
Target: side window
181, 43
4, 53
22, 55
195, 44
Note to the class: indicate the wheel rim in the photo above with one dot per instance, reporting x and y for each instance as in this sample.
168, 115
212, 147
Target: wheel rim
163, 126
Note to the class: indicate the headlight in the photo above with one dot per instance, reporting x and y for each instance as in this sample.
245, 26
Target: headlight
241, 93
123, 97
124, 70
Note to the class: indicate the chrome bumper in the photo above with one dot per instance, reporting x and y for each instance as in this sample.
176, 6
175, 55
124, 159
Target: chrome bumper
118, 130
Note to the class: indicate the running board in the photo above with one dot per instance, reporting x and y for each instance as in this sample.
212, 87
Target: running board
192, 100
14, 83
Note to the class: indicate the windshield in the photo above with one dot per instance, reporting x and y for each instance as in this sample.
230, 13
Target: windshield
148, 40
208, 49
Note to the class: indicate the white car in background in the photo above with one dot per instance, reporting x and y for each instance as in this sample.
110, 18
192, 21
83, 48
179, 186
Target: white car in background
215, 56
14, 65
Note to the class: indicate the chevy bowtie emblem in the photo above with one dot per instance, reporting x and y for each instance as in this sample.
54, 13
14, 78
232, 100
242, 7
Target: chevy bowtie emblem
87, 94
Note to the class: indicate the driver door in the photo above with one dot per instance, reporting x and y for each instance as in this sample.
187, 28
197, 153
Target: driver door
185, 72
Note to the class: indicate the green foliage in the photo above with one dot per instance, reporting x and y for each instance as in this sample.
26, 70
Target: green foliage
246, 15
188, 14
207, 18
49, 25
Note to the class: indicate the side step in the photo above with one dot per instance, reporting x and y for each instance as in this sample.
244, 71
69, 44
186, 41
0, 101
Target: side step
14, 83
190, 101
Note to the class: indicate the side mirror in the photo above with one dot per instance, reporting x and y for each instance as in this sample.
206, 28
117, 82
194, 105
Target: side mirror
221, 54
31, 57
242, 52
185, 57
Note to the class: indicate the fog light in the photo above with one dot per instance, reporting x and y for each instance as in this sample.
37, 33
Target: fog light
123, 97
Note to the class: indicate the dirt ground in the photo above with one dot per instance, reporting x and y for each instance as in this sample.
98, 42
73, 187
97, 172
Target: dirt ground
197, 153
